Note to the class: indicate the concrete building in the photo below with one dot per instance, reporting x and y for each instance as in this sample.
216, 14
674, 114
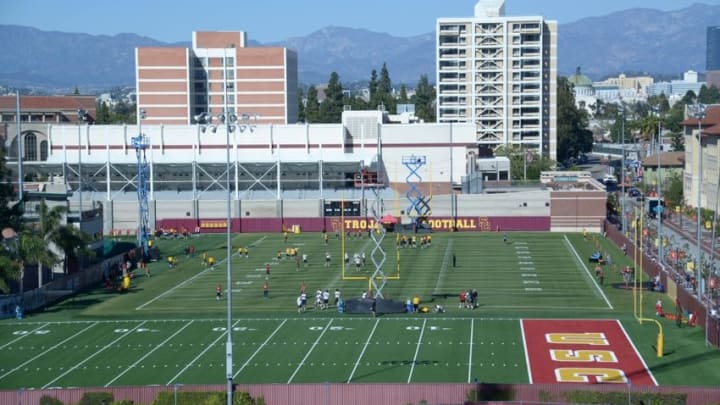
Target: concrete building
676, 89
36, 113
175, 84
499, 73
709, 127
712, 60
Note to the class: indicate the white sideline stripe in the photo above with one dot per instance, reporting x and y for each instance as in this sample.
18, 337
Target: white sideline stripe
187, 366
637, 353
191, 279
472, 329
417, 350
94, 354
148, 353
259, 348
362, 353
577, 256
46, 351
443, 267
302, 362
525, 348
25, 335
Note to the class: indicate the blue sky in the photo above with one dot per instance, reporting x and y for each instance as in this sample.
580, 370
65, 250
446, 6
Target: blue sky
276, 20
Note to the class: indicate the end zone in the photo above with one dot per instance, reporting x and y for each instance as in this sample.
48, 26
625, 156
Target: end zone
582, 351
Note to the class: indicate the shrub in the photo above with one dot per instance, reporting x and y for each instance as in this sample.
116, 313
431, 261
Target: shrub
204, 398
48, 400
621, 398
96, 398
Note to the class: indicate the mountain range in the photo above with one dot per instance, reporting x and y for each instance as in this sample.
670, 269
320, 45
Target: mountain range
631, 41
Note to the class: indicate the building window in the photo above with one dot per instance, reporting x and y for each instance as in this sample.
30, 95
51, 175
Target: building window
200, 99
230, 74
43, 150
199, 86
229, 61
30, 147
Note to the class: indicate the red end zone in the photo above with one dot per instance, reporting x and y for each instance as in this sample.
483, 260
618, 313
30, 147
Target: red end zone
582, 351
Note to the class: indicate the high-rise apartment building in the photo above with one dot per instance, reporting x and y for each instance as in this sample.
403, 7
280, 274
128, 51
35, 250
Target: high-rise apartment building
500, 73
175, 84
712, 60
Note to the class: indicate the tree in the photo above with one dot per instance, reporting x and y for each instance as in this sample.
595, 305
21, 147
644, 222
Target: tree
677, 141
312, 107
103, 114
301, 105
673, 192
519, 167
373, 88
573, 136
424, 100
10, 217
332, 106
403, 98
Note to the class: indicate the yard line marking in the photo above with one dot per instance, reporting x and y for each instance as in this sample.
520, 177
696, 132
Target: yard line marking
577, 256
310, 351
472, 329
443, 267
191, 279
637, 353
362, 353
525, 349
22, 336
259, 348
176, 287
94, 354
257, 242
187, 366
417, 350
147, 354
46, 351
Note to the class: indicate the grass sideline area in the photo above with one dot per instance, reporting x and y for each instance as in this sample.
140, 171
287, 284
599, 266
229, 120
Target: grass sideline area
170, 328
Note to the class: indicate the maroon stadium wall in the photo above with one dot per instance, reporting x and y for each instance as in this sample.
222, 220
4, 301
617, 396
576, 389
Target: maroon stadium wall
331, 224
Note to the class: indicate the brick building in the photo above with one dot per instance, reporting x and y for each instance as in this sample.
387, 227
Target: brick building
175, 84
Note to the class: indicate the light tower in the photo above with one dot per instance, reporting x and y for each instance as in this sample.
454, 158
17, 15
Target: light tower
141, 143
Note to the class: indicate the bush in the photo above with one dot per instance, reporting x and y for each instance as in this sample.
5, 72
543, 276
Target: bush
491, 392
96, 398
621, 398
124, 402
204, 398
48, 400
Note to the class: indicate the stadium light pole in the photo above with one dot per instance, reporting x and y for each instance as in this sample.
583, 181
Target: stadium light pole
621, 109
82, 116
658, 178
699, 114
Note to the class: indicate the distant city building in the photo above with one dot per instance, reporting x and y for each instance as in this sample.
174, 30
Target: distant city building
175, 84
712, 60
710, 152
611, 90
676, 89
501, 74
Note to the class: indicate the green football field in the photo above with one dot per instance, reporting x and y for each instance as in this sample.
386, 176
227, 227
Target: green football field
170, 328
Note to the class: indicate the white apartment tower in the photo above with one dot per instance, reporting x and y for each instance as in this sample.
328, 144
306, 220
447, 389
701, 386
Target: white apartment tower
500, 73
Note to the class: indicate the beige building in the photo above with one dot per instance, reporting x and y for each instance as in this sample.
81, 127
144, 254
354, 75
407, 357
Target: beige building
709, 126
500, 73
638, 83
175, 84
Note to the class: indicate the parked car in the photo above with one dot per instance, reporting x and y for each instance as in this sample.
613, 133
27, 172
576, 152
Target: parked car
634, 192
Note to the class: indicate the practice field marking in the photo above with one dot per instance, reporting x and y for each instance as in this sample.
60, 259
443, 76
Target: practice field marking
362, 353
527, 354
93, 355
148, 353
637, 353
191, 278
443, 267
587, 271
190, 363
259, 348
417, 350
46, 351
472, 329
24, 335
302, 362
